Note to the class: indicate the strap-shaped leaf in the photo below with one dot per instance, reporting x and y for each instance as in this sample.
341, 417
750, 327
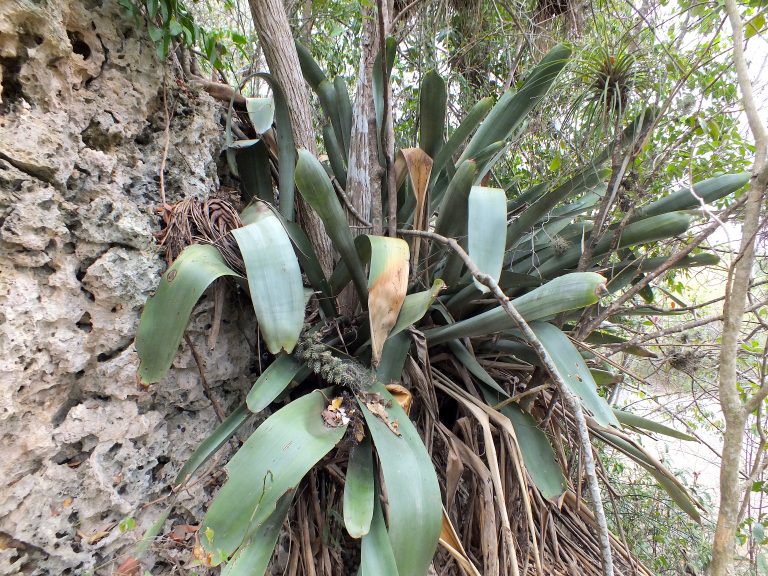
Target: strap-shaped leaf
640, 232
344, 104
574, 372
255, 176
390, 51
270, 463
706, 191
387, 286
432, 106
415, 507
377, 558
315, 187
271, 383
564, 293
166, 314
213, 442
486, 229
629, 419
416, 306
286, 147
274, 280
393, 357
466, 127
452, 221
359, 490
253, 557
513, 107
589, 179
665, 478
538, 455
261, 113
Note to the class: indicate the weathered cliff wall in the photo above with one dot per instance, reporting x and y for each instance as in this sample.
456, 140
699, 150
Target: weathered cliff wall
82, 133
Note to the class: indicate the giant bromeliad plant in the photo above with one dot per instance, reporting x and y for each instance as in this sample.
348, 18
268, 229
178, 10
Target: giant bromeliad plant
428, 375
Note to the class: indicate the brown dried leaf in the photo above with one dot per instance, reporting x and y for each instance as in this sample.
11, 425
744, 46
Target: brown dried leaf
450, 541
387, 293
402, 395
419, 166
378, 407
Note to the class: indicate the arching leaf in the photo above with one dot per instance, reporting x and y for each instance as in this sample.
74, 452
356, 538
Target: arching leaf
167, 312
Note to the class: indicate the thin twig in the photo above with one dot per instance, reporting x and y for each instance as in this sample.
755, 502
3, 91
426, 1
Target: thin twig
345, 200
206, 388
570, 399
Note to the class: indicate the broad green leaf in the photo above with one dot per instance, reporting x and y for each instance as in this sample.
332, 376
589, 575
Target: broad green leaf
640, 232
691, 196
252, 558
415, 506
601, 338
390, 50
270, 463
568, 292
261, 112
486, 231
314, 185
312, 72
274, 280
470, 363
432, 105
664, 477
377, 558
629, 419
213, 442
167, 312
538, 455
271, 383
393, 357
574, 372
305, 252
359, 490
387, 287
467, 126
344, 105
254, 172
285, 147
512, 108
335, 155
589, 179
605, 377
415, 306
452, 221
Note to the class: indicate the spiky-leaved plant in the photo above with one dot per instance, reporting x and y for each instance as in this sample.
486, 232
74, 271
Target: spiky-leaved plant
426, 338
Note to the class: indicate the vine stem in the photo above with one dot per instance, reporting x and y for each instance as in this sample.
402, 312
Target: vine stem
573, 403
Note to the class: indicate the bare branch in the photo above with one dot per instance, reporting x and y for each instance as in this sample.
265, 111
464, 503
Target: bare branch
574, 405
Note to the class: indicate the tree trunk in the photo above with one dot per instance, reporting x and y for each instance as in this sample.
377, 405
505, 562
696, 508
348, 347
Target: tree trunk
364, 172
735, 411
271, 23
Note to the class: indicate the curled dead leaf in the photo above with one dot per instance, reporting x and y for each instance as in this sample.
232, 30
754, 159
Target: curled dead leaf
402, 396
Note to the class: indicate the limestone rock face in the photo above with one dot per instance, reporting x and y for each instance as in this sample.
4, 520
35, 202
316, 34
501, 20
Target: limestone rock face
82, 134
